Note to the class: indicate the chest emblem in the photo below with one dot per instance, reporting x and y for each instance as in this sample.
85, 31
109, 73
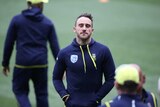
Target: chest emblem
74, 58
94, 56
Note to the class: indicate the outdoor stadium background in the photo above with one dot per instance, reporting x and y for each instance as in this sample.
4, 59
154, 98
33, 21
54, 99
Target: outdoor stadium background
130, 28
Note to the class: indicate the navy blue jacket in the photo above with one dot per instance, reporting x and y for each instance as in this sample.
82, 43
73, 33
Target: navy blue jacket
149, 98
84, 66
125, 100
31, 30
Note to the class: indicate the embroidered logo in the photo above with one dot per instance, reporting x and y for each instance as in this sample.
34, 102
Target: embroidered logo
94, 56
74, 58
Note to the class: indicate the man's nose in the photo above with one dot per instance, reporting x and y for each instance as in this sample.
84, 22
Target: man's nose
84, 28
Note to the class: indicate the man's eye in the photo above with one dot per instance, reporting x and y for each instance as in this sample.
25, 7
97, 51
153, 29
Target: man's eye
87, 25
80, 25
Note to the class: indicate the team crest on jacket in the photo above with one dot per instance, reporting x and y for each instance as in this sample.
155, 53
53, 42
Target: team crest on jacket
94, 56
74, 58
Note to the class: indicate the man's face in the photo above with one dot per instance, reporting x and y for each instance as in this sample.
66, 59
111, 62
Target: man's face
83, 28
141, 77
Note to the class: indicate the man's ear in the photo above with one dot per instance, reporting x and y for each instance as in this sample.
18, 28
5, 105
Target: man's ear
116, 84
74, 29
144, 79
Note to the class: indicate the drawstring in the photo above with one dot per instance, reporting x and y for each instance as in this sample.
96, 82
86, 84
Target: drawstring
84, 62
83, 59
91, 57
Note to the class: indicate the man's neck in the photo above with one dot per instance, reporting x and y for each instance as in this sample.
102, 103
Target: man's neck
83, 42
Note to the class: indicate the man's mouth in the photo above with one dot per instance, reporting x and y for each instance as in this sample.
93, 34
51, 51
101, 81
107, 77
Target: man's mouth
84, 33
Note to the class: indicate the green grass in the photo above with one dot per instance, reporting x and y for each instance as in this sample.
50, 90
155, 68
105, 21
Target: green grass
131, 29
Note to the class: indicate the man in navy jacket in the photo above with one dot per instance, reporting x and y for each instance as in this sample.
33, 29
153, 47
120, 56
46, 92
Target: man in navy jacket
127, 80
30, 30
146, 96
85, 62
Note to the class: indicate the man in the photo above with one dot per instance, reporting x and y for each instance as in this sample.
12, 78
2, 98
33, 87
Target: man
146, 96
30, 30
126, 83
85, 61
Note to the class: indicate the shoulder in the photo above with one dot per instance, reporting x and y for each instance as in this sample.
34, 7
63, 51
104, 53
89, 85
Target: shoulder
16, 17
152, 99
149, 95
47, 20
15, 20
65, 50
152, 94
101, 47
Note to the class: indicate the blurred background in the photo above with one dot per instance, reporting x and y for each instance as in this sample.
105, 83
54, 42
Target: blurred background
130, 28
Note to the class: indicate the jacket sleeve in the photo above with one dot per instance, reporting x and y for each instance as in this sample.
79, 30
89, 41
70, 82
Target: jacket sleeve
53, 41
108, 69
58, 73
9, 43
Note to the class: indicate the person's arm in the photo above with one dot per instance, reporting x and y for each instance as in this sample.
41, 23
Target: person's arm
109, 73
58, 73
8, 46
53, 41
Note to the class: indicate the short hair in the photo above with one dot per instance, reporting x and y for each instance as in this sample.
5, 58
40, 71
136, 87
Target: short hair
88, 15
128, 86
29, 3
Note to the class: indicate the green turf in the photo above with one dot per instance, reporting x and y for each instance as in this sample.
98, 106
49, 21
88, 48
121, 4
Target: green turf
131, 29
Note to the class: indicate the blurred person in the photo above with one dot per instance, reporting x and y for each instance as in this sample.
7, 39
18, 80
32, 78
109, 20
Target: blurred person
31, 30
126, 83
146, 96
103, 1
85, 62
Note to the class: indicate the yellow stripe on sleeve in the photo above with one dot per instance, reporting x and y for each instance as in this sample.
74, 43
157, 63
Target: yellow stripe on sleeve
33, 66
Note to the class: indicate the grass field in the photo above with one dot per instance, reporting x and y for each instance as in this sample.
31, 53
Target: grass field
130, 28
